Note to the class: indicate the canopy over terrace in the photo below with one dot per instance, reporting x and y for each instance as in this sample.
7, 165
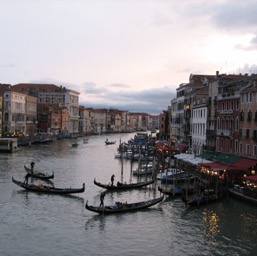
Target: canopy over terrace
220, 157
192, 159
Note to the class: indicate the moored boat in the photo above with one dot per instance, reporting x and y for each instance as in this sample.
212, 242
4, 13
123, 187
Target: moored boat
9, 145
120, 207
109, 142
244, 193
171, 192
123, 186
146, 169
196, 200
40, 188
169, 173
39, 175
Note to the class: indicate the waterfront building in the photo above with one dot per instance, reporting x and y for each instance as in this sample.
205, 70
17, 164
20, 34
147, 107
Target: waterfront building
53, 119
1, 114
199, 118
51, 94
227, 113
31, 115
248, 119
99, 121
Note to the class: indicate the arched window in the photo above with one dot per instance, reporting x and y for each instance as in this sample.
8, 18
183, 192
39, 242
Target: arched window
249, 116
242, 115
237, 124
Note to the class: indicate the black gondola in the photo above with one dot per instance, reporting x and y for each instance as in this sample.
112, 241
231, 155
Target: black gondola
109, 142
124, 207
196, 200
39, 175
48, 189
171, 192
123, 186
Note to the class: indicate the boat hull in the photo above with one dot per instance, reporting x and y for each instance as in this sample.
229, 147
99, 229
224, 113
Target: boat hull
48, 189
123, 186
124, 207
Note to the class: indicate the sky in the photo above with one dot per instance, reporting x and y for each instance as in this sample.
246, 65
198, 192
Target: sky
125, 54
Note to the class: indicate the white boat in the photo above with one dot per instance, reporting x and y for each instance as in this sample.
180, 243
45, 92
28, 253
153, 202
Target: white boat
9, 145
145, 169
118, 155
169, 173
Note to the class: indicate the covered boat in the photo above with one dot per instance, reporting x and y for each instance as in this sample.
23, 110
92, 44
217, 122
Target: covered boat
123, 186
196, 200
171, 192
120, 207
48, 189
39, 175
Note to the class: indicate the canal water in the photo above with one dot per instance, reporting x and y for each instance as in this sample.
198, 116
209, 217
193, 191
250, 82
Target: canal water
38, 224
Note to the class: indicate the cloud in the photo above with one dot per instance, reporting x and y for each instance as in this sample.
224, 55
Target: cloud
118, 85
252, 45
235, 15
152, 101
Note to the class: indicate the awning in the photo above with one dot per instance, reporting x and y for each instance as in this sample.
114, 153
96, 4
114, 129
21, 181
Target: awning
216, 166
226, 158
245, 163
190, 158
220, 157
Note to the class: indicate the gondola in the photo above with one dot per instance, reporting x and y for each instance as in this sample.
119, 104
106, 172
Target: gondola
123, 186
171, 192
120, 207
197, 200
48, 189
39, 175
109, 142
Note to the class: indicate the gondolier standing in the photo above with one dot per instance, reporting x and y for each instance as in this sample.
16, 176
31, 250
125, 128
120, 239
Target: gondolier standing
26, 178
102, 199
112, 179
32, 166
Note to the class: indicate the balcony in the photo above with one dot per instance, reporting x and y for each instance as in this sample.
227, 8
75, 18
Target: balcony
226, 112
225, 133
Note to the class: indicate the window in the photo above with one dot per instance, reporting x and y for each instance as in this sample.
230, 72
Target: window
247, 149
240, 148
236, 146
255, 150
242, 115
247, 133
249, 116
237, 124
237, 105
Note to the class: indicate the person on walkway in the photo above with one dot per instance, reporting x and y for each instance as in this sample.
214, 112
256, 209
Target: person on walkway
112, 179
102, 199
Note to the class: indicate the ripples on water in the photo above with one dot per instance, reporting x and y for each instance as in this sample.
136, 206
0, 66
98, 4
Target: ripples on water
35, 224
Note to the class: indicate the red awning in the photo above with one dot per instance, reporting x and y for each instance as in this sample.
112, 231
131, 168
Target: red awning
245, 163
219, 166
215, 166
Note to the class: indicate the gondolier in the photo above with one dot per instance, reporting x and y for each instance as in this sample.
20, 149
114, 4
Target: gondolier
32, 164
112, 179
102, 199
